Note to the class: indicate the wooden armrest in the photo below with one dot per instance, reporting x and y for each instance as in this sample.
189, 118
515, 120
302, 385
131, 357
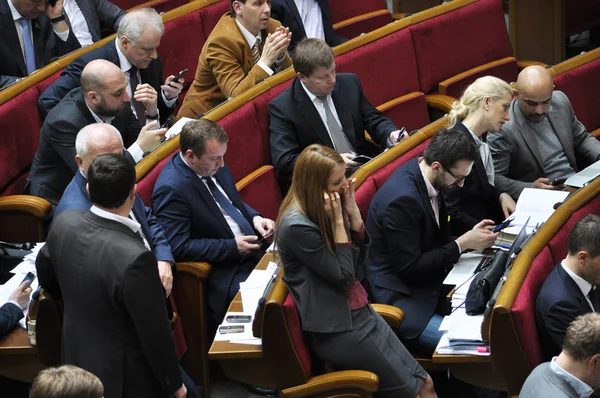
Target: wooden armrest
358, 18
359, 382
398, 100
252, 176
524, 64
596, 133
198, 269
441, 102
443, 84
392, 315
33, 205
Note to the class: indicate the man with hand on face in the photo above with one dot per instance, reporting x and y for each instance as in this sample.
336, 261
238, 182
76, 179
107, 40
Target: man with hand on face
245, 47
543, 141
32, 33
134, 52
412, 250
102, 98
203, 217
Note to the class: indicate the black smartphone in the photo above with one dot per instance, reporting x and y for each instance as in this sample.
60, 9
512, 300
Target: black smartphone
238, 318
267, 236
29, 277
503, 224
361, 159
558, 181
181, 73
231, 329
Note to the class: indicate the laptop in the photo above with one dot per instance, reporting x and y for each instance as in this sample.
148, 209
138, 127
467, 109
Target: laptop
584, 176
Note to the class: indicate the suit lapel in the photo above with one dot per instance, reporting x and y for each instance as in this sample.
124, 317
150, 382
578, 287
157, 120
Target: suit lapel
574, 289
422, 189
296, 13
478, 166
526, 131
9, 33
310, 114
139, 211
339, 100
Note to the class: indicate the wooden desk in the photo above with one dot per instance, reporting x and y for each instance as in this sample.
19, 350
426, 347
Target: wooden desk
19, 359
242, 362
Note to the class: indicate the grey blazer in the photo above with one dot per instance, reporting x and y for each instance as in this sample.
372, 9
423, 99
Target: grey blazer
543, 382
517, 159
99, 13
317, 277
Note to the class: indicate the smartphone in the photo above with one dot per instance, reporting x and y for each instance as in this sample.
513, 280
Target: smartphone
267, 236
361, 159
181, 73
231, 329
238, 318
29, 277
558, 181
503, 224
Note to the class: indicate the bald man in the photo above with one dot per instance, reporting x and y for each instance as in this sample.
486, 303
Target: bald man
102, 98
543, 141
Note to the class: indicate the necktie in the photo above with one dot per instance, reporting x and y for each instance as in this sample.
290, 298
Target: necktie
140, 109
592, 296
28, 46
256, 52
229, 207
340, 141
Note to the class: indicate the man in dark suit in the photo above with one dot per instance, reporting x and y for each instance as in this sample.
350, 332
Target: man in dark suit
115, 320
47, 37
134, 52
411, 247
87, 17
203, 217
320, 109
570, 289
102, 98
12, 311
307, 18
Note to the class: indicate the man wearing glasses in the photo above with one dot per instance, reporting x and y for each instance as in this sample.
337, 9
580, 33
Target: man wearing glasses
411, 247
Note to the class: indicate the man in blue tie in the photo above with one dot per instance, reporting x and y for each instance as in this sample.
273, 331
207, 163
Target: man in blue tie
203, 217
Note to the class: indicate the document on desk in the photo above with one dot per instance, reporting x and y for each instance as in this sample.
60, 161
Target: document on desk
444, 347
463, 269
464, 327
254, 286
537, 205
230, 331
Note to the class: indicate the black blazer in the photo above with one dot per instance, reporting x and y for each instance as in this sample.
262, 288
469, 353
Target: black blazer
295, 122
115, 319
99, 13
45, 42
410, 255
286, 12
559, 302
10, 314
54, 163
69, 79
476, 200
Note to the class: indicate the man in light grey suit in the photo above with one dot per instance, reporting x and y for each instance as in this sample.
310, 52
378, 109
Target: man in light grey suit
543, 141
575, 373
87, 17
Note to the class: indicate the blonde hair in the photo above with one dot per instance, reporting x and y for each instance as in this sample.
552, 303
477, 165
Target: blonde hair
486, 86
67, 381
310, 179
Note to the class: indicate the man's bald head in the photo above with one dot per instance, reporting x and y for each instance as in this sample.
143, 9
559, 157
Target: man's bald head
98, 74
96, 139
534, 88
104, 88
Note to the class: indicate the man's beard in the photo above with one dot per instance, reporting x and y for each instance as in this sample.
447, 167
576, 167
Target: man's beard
439, 183
104, 111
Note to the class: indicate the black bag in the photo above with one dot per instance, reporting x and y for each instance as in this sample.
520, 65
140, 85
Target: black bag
483, 285
11, 255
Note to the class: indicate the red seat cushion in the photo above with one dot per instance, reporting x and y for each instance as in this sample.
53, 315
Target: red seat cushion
459, 40
292, 319
411, 114
263, 193
145, 185
211, 15
344, 9
506, 70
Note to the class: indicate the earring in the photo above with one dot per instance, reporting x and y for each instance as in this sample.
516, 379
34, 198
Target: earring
487, 108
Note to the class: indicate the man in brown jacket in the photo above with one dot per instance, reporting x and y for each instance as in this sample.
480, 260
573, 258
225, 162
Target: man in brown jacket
245, 47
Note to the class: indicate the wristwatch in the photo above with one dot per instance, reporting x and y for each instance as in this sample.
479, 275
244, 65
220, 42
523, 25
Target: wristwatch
155, 117
58, 19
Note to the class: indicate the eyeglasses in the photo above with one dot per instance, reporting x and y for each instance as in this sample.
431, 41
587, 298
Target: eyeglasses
457, 180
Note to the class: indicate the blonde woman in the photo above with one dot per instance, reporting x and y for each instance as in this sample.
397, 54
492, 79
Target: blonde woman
482, 109
322, 241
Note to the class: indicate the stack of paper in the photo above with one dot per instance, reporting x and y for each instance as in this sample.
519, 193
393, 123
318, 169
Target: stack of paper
461, 277
462, 335
537, 205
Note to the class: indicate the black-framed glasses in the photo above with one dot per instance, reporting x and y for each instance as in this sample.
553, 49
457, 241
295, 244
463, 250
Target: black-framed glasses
457, 180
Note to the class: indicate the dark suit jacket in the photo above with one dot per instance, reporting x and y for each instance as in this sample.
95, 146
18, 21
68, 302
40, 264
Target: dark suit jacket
54, 164
46, 45
286, 12
10, 314
99, 13
76, 197
195, 226
69, 79
559, 302
115, 319
476, 200
410, 255
295, 122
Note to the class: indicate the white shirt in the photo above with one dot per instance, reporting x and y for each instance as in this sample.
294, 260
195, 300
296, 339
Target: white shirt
78, 22
312, 18
132, 224
251, 39
583, 285
583, 389
235, 227
17, 16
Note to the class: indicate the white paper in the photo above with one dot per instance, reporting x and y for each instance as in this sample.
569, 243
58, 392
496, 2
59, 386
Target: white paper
444, 348
463, 269
537, 205
176, 128
464, 327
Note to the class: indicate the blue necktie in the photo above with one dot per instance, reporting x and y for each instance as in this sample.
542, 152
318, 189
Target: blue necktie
229, 207
28, 45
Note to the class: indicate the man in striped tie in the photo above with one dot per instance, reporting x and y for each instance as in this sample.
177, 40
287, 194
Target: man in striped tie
245, 47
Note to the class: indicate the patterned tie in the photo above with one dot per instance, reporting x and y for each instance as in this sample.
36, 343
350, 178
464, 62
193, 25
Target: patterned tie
28, 46
229, 207
256, 51
340, 141
140, 109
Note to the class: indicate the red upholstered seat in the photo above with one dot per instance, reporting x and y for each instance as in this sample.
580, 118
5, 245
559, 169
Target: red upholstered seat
211, 15
580, 85
292, 319
505, 68
366, 24
410, 111
261, 191
145, 185
460, 40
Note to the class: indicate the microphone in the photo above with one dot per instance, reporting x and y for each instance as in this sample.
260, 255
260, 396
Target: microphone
556, 205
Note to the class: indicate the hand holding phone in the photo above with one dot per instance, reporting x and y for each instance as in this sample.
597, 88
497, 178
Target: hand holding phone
181, 73
558, 181
362, 159
504, 224
29, 277
264, 237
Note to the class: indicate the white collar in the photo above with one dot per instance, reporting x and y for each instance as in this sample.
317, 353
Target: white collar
97, 118
478, 141
128, 222
431, 191
250, 38
15, 14
583, 285
311, 96
123, 61
186, 163
583, 389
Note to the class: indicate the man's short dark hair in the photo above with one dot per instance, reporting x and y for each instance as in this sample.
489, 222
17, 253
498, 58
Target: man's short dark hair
585, 236
111, 178
196, 133
448, 147
582, 339
311, 54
